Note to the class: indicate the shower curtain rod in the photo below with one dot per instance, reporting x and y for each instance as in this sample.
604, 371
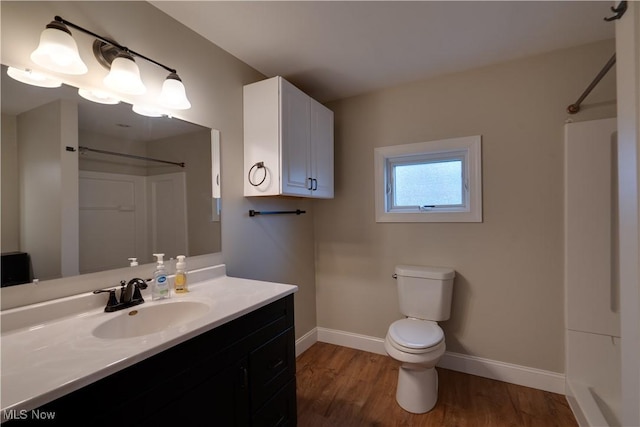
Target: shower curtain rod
575, 107
131, 156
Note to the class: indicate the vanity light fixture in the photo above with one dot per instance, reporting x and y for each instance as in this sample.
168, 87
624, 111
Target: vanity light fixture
33, 78
56, 53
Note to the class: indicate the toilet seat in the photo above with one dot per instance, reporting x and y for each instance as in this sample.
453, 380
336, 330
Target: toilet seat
415, 335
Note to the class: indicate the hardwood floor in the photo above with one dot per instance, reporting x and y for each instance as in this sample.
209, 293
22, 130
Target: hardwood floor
342, 387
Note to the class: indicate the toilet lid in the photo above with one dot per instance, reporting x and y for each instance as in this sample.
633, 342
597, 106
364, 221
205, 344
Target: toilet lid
416, 334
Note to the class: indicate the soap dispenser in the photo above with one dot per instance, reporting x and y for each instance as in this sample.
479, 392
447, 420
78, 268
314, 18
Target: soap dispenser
180, 281
160, 288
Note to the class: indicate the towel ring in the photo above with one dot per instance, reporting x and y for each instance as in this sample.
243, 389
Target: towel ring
259, 165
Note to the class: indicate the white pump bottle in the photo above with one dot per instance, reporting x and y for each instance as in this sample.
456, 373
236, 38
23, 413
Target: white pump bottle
160, 288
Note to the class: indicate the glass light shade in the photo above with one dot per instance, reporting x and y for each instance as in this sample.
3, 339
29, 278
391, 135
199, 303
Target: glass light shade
98, 96
58, 51
125, 76
33, 78
173, 94
144, 110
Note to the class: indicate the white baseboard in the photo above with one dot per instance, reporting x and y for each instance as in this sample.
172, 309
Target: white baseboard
351, 340
507, 372
307, 340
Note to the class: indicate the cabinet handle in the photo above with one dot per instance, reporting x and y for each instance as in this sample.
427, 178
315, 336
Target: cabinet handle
276, 364
244, 374
315, 184
280, 421
310, 187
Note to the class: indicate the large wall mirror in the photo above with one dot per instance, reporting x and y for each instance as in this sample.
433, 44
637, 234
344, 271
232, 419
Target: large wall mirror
86, 186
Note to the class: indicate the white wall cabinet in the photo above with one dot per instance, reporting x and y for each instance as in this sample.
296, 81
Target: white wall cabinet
288, 142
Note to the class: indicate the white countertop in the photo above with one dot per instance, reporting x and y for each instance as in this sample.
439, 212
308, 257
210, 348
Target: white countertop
43, 362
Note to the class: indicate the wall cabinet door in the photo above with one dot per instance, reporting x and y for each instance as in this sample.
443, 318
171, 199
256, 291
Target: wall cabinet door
295, 114
321, 159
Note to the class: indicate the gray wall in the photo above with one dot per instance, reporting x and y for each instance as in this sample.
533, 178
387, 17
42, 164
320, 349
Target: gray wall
194, 149
508, 301
49, 215
10, 203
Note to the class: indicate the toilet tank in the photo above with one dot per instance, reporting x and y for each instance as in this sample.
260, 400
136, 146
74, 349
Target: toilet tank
425, 292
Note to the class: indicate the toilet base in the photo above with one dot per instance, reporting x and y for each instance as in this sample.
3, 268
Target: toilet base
417, 390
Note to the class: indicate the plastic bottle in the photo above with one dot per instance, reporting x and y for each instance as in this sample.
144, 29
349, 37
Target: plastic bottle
160, 287
180, 281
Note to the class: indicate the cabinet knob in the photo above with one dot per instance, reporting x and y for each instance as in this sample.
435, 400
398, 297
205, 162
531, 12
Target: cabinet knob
244, 377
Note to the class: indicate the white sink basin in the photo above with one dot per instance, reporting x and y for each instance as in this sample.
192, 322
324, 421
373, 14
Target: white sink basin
144, 320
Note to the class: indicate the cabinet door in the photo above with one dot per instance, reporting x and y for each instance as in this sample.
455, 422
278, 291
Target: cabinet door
262, 131
280, 410
271, 366
321, 150
218, 400
294, 149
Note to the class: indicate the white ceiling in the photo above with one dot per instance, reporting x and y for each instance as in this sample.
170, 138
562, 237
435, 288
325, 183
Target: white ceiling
337, 49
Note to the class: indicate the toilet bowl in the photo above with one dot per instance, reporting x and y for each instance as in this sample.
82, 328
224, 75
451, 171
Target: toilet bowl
417, 341
418, 345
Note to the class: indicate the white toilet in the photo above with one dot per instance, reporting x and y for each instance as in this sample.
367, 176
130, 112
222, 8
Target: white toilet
418, 341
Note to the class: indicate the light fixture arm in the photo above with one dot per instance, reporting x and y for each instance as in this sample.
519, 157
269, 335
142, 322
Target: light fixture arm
111, 42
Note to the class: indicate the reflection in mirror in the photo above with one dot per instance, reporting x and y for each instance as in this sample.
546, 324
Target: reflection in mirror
86, 186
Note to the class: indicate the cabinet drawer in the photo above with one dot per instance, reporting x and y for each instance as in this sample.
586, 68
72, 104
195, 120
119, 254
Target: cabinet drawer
271, 366
280, 410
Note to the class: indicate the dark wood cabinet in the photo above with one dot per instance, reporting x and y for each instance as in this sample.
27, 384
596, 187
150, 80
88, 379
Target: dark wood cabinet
241, 373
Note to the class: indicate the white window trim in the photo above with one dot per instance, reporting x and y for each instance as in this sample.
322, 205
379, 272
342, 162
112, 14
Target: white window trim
471, 144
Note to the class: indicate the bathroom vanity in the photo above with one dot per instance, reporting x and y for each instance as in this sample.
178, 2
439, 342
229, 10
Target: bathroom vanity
232, 364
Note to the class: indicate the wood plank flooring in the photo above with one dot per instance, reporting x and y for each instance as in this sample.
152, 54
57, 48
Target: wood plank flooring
343, 387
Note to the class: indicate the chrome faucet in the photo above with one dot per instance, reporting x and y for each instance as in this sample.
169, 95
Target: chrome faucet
130, 295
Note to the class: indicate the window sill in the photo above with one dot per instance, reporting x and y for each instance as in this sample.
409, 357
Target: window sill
429, 217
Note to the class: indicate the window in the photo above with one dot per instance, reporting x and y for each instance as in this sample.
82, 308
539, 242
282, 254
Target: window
435, 181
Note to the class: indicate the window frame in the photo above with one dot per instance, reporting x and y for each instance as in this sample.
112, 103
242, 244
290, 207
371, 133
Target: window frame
468, 149
423, 159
